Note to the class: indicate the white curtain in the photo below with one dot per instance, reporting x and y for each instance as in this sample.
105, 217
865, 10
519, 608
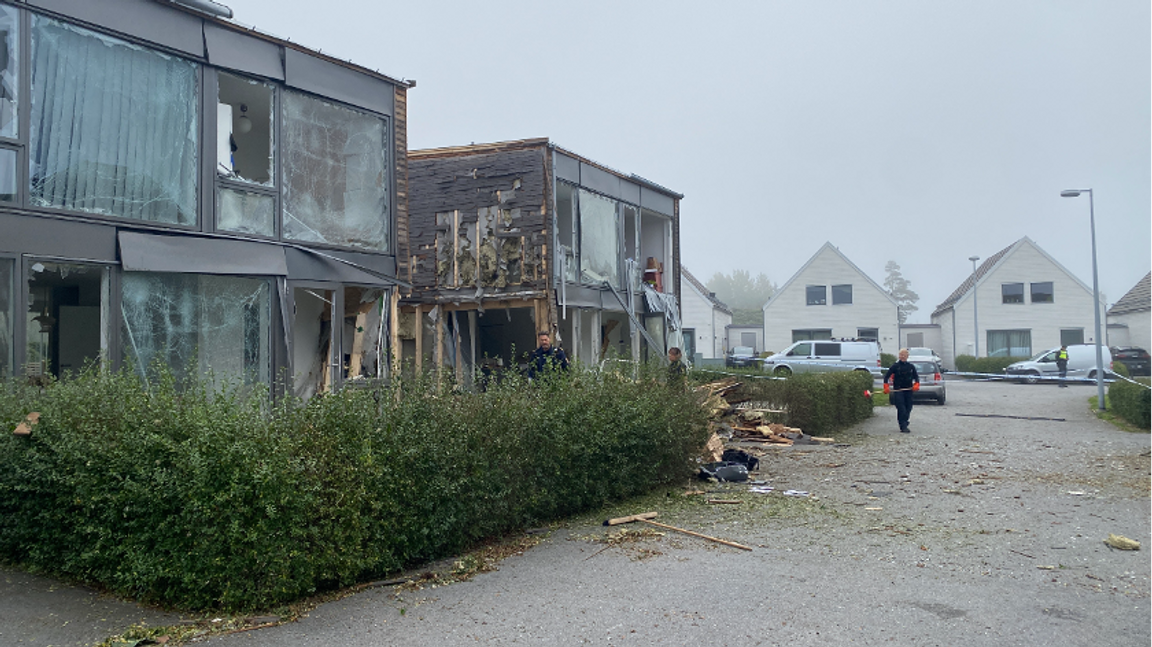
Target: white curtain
113, 126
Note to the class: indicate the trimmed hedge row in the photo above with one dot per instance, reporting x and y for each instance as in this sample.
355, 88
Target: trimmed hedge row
204, 500
1131, 401
818, 403
994, 365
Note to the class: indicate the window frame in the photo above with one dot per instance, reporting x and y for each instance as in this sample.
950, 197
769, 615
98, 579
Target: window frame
837, 302
1005, 296
808, 294
1051, 294
212, 211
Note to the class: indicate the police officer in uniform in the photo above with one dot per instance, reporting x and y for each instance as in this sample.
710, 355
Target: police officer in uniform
899, 382
1062, 364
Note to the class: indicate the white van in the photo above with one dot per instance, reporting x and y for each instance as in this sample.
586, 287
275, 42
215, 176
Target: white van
1081, 364
825, 355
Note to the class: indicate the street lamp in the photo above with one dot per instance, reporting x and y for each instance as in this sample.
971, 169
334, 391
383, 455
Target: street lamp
1072, 193
975, 318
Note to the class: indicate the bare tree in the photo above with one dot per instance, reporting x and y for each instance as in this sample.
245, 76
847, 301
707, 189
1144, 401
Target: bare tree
744, 294
901, 290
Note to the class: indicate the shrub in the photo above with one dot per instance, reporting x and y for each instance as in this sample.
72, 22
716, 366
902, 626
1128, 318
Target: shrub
202, 499
964, 363
818, 403
1132, 402
993, 365
887, 359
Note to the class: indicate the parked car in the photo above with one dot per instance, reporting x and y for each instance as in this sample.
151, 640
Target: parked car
918, 352
1133, 358
931, 380
1081, 364
825, 356
741, 356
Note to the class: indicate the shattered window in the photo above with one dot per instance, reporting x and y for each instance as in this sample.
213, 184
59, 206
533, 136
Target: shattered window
565, 228
599, 239
335, 174
9, 70
8, 160
244, 130
6, 332
245, 212
114, 126
216, 325
364, 340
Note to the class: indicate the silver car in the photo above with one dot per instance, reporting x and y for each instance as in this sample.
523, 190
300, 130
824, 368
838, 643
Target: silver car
931, 380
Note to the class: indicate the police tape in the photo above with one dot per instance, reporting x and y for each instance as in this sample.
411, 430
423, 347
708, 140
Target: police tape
1033, 378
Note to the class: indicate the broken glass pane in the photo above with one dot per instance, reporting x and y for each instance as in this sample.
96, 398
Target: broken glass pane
6, 321
114, 126
245, 130
311, 341
336, 174
245, 212
65, 320
218, 324
7, 175
9, 70
565, 226
599, 239
363, 341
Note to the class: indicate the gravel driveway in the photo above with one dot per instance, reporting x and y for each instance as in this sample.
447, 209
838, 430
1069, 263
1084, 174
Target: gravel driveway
969, 531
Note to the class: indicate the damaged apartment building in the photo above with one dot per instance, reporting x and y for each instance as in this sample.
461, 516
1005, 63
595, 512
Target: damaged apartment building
178, 189
512, 238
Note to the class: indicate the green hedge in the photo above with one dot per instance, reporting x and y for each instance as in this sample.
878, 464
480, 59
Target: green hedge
1131, 401
204, 500
818, 403
994, 365
887, 359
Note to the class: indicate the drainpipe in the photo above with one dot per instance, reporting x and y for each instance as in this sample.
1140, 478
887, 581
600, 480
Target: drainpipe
205, 6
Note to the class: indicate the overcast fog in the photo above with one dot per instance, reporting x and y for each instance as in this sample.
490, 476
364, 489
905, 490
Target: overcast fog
914, 131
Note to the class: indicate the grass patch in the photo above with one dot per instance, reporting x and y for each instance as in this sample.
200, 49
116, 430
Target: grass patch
1111, 417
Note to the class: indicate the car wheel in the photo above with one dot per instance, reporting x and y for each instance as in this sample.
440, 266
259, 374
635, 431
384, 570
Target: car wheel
1032, 378
782, 371
940, 400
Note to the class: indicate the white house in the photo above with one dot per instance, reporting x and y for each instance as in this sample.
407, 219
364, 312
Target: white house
703, 319
830, 298
1129, 323
1022, 300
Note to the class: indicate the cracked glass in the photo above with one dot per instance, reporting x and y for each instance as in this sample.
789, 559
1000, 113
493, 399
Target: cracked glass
245, 212
244, 130
114, 127
599, 239
9, 70
6, 271
335, 170
217, 326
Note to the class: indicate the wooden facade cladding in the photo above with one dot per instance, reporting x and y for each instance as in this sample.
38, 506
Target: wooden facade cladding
506, 195
403, 267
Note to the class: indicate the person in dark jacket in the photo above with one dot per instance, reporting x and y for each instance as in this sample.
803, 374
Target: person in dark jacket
1062, 364
899, 382
545, 356
676, 367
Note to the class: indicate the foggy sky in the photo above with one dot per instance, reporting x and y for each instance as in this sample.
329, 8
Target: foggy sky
920, 132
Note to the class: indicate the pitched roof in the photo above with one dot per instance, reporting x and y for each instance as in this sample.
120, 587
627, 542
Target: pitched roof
992, 263
828, 245
703, 289
966, 286
1138, 299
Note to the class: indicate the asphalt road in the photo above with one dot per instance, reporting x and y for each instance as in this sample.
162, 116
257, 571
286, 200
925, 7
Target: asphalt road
969, 531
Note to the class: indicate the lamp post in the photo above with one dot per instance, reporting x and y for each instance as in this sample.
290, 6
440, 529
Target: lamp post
975, 317
1072, 193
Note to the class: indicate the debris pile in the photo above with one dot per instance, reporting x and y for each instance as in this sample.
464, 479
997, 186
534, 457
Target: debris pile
748, 421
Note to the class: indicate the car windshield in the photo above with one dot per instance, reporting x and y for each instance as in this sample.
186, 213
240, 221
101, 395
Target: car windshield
1040, 355
923, 352
742, 350
925, 368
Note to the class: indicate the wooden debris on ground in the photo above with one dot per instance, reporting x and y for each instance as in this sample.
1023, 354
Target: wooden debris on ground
749, 421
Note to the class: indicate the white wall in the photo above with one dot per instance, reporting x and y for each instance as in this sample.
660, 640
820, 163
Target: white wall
1139, 329
1071, 306
870, 307
709, 322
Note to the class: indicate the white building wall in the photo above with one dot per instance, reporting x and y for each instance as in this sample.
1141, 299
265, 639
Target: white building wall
1139, 329
709, 322
1071, 306
870, 307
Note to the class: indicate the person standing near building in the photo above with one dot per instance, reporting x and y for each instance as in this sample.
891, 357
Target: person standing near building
676, 367
900, 382
1062, 364
545, 356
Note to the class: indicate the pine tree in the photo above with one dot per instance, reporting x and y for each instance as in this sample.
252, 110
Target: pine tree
901, 290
